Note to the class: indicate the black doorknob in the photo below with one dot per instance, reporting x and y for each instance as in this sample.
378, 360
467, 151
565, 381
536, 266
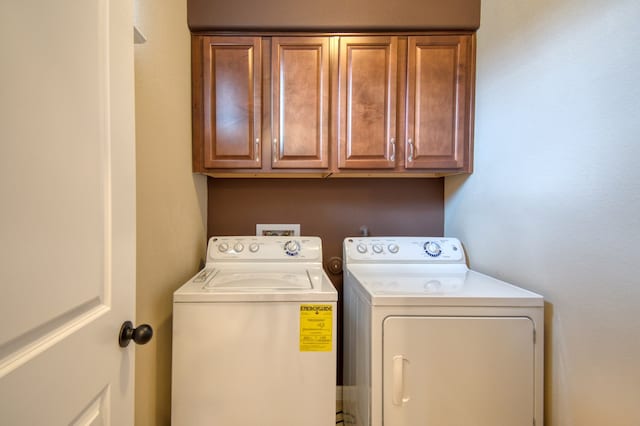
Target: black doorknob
141, 334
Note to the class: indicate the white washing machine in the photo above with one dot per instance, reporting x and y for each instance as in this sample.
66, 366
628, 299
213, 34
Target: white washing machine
429, 342
254, 336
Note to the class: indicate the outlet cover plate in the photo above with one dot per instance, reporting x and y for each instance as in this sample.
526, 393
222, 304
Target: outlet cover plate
278, 229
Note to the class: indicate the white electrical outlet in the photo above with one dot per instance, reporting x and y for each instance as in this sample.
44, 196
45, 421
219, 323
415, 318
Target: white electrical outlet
277, 229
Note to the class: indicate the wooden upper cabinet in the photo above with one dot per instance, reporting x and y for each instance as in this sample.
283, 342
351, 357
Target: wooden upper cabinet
333, 105
231, 102
367, 88
439, 94
300, 102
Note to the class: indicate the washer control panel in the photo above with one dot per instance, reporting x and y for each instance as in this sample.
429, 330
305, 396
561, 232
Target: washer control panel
264, 248
404, 249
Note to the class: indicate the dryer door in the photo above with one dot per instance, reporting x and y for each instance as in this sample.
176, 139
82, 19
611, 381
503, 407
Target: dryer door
458, 371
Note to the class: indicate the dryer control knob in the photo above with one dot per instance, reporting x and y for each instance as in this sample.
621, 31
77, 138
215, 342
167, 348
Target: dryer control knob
292, 248
377, 248
362, 248
432, 248
238, 247
393, 248
223, 247
254, 247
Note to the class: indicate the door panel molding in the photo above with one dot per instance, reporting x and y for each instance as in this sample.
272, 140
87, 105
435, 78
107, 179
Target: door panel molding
24, 348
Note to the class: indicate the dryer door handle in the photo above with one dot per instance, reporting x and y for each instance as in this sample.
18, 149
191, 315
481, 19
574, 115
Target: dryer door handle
399, 397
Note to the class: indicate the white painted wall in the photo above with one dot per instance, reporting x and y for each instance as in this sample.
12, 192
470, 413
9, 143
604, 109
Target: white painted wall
554, 203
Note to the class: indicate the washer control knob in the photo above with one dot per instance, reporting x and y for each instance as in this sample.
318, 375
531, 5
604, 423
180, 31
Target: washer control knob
393, 248
377, 248
362, 248
253, 247
432, 248
292, 248
223, 247
238, 247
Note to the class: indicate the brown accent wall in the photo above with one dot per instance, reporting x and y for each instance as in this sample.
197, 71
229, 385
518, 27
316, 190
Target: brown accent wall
341, 15
332, 209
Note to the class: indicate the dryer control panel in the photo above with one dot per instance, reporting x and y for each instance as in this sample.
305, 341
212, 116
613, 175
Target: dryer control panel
404, 249
263, 248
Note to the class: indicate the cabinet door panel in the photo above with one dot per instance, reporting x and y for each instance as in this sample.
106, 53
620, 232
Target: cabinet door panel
367, 102
438, 102
232, 101
300, 102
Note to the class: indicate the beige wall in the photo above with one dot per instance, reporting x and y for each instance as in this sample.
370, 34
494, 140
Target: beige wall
554, 204
171, 234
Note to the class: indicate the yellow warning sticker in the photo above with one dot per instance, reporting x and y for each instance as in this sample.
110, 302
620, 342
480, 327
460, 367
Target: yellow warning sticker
316, 328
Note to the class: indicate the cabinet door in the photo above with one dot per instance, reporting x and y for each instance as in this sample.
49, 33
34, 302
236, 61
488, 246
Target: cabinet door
300, 99
231, 101
367, 102
458, 371
439, 101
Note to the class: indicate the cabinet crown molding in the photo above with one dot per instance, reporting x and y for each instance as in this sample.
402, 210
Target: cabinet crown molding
333, 15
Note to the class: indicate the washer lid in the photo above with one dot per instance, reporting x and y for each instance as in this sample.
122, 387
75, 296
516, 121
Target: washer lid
436, 285
266, 282
252, 280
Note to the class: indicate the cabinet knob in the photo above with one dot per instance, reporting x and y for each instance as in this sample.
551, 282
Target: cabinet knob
410, 143
275, 149
392, 142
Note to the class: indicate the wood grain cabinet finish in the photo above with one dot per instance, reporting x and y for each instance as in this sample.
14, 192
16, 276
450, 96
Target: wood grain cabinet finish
439, 72
231, 102
367, 90
333, 105
300, 102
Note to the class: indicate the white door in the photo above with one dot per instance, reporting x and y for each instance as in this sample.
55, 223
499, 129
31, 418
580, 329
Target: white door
67, 211
458, 371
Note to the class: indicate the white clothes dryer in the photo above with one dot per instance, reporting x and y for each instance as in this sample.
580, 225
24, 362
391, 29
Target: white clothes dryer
428, 342
254, 336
